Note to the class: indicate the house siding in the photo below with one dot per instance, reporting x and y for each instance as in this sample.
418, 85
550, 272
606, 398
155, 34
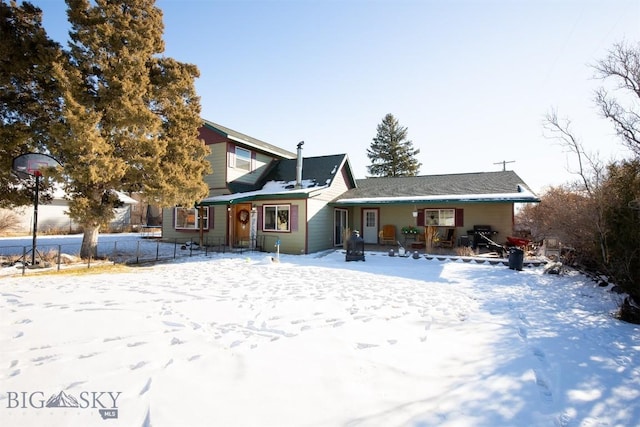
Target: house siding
320, 219
214, 236
291, 242
170, 234
216, 181
338, 186
221, 161
259, 162
498, 215
320, 225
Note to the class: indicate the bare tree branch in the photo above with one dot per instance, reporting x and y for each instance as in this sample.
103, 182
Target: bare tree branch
560, 129
622, 66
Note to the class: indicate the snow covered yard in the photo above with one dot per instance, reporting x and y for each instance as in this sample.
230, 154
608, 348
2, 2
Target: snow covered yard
119, 247
237, 340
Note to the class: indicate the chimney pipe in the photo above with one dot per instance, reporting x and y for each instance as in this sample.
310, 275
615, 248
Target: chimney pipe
299, 166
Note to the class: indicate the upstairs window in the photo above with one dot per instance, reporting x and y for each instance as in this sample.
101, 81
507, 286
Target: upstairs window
243, 159
188, 218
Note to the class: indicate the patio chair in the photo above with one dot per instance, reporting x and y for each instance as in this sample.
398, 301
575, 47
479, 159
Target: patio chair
552, 248
449, 238
388, 235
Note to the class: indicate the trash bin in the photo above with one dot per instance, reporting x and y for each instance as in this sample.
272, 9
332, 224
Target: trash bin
516, 259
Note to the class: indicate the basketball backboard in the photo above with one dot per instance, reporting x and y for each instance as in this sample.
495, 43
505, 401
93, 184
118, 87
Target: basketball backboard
32, 164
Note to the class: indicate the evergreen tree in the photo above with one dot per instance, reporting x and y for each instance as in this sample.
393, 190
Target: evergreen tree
29, 96
391, 154
130, 115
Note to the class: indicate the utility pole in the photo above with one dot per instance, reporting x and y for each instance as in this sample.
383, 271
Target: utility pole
504, 164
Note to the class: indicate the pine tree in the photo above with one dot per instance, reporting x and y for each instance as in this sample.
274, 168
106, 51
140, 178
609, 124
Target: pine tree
130, 117
391, 154
29, 95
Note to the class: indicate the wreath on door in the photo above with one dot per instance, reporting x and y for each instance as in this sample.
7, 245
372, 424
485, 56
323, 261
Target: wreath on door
243, 216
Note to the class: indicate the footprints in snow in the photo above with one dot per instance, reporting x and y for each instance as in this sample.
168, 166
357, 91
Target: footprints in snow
522, 332
14, 372
542, 371
19, 334
544, 387
146, 387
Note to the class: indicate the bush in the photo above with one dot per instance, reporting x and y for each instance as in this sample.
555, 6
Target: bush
8, 221
602, 227
622, 220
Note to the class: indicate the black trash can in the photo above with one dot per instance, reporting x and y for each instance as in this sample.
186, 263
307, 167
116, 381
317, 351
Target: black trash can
516, 259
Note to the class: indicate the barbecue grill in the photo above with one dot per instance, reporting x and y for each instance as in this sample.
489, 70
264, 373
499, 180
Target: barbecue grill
478, 235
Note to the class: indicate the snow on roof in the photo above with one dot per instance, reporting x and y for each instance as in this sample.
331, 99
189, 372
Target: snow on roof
271, 188
124, 198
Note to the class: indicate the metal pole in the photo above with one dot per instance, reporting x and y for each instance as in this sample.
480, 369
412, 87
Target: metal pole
35, 218
24, 258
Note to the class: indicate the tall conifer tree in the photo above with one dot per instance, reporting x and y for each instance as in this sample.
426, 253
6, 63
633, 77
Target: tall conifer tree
131, 116
391, 154
29, 95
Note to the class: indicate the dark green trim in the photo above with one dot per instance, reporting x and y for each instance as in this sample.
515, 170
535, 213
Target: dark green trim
248, 199
429, 202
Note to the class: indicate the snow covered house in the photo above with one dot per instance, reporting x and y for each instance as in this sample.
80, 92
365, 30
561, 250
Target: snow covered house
262, 196
470, 205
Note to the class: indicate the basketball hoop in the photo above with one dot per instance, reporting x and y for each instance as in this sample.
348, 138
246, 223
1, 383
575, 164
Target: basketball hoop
32, 164
26, 166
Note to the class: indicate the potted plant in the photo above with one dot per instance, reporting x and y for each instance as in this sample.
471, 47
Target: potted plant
409, 230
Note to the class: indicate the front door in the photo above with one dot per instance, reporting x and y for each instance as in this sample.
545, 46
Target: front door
370, 226
242, 225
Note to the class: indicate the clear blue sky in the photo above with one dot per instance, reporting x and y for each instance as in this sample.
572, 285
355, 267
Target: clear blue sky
471, 80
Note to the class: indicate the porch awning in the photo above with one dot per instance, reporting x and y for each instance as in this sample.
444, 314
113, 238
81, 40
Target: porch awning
232, 199
519, 197
264, 194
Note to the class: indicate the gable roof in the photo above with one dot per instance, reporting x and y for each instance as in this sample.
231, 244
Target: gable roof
320, 171
503, 186
279, 182
248, 140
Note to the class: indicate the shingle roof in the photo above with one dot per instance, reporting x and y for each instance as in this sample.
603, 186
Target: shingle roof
279, 181
248, 140
503, 185
320, 170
